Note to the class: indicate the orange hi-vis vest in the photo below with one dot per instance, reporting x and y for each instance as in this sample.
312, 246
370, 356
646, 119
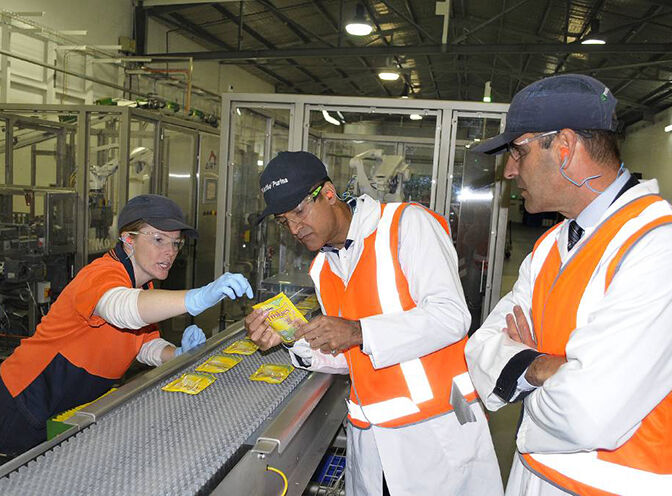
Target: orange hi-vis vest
408, 392
643, 464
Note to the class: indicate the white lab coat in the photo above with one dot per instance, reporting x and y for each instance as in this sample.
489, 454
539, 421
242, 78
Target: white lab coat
618, 365
438, 456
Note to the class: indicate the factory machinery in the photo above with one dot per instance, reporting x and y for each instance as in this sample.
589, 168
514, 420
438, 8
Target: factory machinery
236, 437
36, 259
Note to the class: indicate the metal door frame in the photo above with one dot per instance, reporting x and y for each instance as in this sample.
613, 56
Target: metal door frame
299, 107
499, 216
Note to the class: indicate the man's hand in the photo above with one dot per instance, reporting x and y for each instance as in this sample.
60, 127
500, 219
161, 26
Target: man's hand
518, 329
331, 334
259, 330
543, 367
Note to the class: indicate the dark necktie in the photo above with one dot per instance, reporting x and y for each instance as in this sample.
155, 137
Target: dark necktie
575, 233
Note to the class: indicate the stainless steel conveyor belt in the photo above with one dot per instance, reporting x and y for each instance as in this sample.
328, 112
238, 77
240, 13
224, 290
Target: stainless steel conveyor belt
142, 440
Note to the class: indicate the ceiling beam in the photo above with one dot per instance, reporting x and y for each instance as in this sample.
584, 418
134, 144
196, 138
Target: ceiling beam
178, 3
540, 29
241, 25
213, 40
463, 37
586, 24
428, 61
386, 51
338, 28
318, 5
631, 34
409, 20
592, 70
664, 3
301, 31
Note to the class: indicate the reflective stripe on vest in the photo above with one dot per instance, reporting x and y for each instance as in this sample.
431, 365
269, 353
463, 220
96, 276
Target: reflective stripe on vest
638, 466
390, 301
378, 286
384, 411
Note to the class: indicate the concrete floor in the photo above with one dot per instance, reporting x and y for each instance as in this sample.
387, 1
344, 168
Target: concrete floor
503, 422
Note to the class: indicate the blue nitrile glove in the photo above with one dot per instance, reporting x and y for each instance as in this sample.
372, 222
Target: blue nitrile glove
191, 337
231, 285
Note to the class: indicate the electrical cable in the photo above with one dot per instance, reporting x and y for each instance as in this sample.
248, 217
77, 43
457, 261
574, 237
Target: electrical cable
32, 296
284, 478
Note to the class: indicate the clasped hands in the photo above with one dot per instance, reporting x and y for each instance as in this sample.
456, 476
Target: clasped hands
330, 335
544, 366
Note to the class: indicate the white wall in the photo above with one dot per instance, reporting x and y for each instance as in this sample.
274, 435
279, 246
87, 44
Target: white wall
105, 21
647, 148
209, 74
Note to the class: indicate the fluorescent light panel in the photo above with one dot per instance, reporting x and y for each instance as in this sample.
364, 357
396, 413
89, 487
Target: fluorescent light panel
330, 119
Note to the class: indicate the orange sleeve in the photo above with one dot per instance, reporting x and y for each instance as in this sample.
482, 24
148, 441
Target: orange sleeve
150, 332
92, 282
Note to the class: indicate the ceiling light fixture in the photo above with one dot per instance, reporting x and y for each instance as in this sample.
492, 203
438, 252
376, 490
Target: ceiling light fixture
388, 74
594, 38
668, 129
415, 117
487, 92
359, 25
330, 119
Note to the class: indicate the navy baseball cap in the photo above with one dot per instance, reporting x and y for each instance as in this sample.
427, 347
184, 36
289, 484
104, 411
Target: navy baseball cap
157, 211
288, 179
568, 101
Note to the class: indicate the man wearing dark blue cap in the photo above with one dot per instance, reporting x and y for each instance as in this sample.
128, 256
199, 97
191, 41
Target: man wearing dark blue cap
103, 320
583, 339
395, 319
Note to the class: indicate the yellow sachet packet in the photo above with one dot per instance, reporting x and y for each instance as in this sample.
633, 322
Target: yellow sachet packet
191, 383
219, 363
273, 374
242, 347
283, 316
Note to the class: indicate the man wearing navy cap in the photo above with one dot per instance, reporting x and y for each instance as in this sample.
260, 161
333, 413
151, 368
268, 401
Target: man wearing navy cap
395, 319
583, 338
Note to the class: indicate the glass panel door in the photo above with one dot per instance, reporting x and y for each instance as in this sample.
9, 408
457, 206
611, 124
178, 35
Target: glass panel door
385, 153
104, 177
472, 196
263, 253
141, 160
208, 181
178, 159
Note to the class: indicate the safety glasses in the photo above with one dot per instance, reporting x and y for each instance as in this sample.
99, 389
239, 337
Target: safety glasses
518, 150
302, 210
162, 241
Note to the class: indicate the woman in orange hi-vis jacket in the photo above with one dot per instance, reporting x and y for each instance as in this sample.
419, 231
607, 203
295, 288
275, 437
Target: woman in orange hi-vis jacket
584, 336
395, 319
102, 321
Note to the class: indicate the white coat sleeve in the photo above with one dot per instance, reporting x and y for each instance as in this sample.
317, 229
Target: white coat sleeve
441, 318
618, 366
490, 349
304, 357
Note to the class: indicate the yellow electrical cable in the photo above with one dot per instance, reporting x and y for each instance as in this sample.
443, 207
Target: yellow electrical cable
284, 478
